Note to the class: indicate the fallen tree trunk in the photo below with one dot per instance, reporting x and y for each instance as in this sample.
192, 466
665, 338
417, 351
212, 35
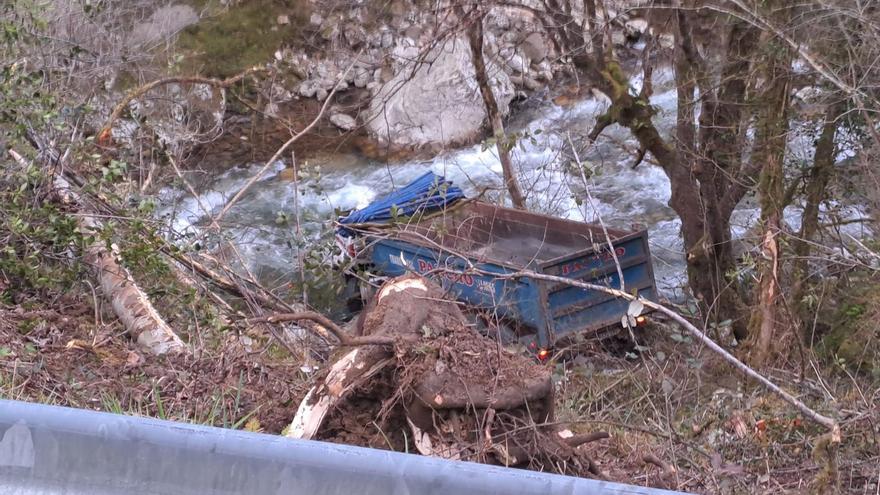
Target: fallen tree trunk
130, 304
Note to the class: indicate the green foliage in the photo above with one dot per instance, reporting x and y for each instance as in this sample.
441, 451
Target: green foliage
853, 342
322, 280
38, 236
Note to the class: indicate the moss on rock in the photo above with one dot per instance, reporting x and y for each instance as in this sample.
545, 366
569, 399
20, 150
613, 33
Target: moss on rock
241, 36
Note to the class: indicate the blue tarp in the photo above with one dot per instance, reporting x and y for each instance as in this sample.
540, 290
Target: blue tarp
428, 193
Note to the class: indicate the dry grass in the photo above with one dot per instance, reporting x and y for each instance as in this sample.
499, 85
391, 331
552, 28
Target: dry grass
721, 435
62, 357
673, 400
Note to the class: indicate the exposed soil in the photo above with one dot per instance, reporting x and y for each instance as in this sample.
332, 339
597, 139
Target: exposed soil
253, 137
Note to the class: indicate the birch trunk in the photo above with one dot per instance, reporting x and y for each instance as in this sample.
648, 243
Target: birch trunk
130, 304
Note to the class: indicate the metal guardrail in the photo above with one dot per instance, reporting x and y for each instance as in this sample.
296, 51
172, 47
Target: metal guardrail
59, 450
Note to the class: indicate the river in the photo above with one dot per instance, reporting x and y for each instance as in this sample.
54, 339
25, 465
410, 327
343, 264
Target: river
262, 223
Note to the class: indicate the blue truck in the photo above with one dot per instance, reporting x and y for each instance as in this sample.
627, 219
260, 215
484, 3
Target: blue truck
473, 249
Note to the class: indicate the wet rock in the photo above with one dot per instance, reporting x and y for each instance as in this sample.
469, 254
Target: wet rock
534, 47
164, 22
361, 77
437, 102
345, 122
634, 29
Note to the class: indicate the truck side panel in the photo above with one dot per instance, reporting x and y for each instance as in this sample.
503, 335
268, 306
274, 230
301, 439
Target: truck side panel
513, 299
573, 309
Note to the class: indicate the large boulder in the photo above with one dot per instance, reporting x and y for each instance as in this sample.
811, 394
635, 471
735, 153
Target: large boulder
435, 101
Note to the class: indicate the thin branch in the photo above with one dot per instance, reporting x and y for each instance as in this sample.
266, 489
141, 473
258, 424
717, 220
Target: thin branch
829, 423
344, 338
104, 135
283, 148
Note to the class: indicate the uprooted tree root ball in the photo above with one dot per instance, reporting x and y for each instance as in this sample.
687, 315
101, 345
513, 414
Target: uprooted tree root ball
441, 389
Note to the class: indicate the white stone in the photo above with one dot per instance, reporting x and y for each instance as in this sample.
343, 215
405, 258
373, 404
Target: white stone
517, 63
635, 28
343, 121
283, 20
387, 39
437, 102
316, 19
307, 89
361, 77
271, 109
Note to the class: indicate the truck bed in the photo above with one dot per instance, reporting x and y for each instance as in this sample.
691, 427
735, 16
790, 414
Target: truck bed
513, 238
501, 241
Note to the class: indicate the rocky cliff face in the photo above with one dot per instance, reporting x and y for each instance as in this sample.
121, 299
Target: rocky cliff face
418, 71
402, 71
435, 101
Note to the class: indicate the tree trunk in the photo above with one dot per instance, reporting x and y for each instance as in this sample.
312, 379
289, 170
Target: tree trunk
130, 304
502, 145
704, 164
769, 154
817, 182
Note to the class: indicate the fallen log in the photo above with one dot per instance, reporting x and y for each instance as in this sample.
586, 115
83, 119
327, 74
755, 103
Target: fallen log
130, 304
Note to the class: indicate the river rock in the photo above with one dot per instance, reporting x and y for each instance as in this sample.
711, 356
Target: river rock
635, 28
531, 84
534, 47
387, 40
413, 33
345, 122
355, 35
307, 89
362, 77
435, 102
516, 62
